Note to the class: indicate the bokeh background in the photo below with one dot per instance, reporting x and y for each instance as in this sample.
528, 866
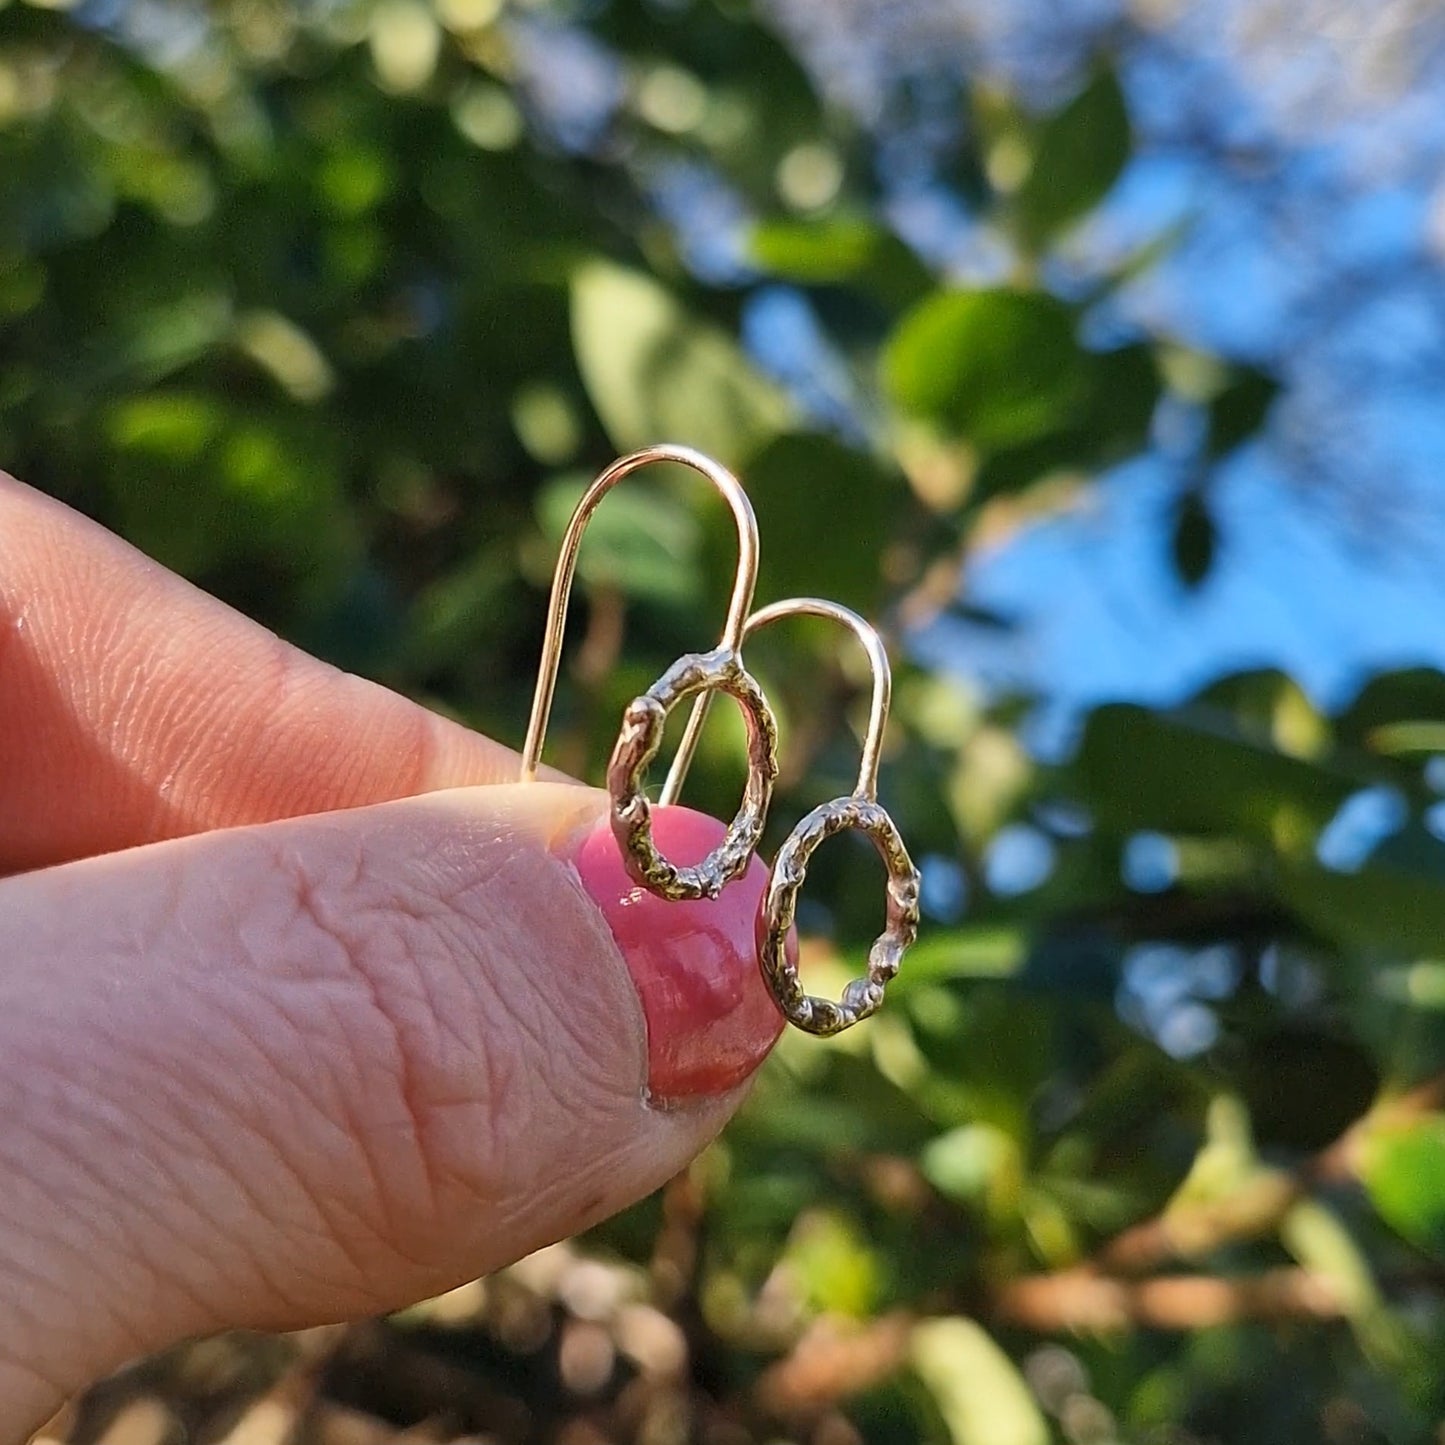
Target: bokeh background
1097, 349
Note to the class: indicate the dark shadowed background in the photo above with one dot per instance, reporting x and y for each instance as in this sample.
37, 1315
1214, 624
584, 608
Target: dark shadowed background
1094, 347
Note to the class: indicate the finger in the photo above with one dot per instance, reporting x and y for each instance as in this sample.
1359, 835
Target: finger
313, 1070
133, 707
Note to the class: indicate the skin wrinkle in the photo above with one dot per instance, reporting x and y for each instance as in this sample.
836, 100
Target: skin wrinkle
338, 1115
315, 1230
40, 1283
202, 742
489, 1156
112, 1181
332, 1221
99, 1218
374, 932
207, 1168
579, 1029
116, 683
359, 939
320, 1221
31, 1376
537, 1019
258, 1069
217, 1067
198, 1117
188, 1141
568, 837
211, 1273
539, 1016
271, 682
195, 1121
349, 1124
550, 1029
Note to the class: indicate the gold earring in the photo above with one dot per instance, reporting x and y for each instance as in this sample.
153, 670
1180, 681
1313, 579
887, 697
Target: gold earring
859, 810
642, 723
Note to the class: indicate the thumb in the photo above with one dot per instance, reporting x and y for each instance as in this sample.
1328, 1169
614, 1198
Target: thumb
315, 1069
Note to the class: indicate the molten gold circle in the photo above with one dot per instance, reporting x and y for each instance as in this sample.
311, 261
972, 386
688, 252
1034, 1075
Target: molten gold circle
779, 906
636, 747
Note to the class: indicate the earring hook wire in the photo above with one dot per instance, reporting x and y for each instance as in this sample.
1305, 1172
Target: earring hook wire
744, 580
877, 653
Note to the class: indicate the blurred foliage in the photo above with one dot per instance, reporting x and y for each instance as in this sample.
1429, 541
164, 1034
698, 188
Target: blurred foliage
333, 308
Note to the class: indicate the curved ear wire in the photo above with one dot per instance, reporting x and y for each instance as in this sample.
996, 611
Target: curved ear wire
872, 643
640, 738
744, 580
859, 810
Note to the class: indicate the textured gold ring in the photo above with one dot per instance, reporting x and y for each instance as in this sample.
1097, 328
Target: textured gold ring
779, 907
637, 745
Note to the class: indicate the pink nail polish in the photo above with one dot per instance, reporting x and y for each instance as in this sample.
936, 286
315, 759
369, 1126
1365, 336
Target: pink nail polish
710, 1018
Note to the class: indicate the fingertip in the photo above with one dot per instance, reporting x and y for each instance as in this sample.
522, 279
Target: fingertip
710, 1018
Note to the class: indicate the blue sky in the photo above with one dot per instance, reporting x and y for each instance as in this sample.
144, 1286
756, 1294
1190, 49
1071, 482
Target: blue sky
1313, 215
1297, 154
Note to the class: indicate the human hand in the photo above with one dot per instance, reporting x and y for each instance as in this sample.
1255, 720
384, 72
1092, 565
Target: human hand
265, 1063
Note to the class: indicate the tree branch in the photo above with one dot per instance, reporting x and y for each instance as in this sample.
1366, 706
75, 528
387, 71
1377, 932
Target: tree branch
1082, 1300
1196, 1230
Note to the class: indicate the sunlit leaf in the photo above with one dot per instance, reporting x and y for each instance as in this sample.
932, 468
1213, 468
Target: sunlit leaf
838, 250
1404, 1171
1111, 424
953, 953
977, 1164
199, 483
998, 368
657, 374
980, 1394
1316, 1237
641, 541
160, 341
835, 1266
1413, 698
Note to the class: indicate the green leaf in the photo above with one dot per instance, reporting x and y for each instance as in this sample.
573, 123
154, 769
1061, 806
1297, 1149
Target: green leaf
1397, 708
978, 1164
1404, 1172
975, 952
198, 483
1317, 1238
815, 251
1112, 423
852, 1110
1195, 539
1078, 156
836, 507
999, 368
1376, 908
1303, 1087
843, 249
1190, 773
641, 540
1240, 410
164, 339
657, 374
980, 1394
833, 1263
452, 615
